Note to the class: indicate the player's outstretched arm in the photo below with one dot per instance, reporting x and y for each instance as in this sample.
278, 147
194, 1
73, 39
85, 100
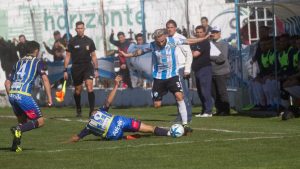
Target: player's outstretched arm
47, 88
112, 94
134, 54
75, 138
196, 40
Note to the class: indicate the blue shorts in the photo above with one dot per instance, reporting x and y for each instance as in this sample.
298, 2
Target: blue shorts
121, 124
25, 106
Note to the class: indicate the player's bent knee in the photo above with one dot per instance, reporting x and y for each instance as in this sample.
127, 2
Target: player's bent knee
40, 121
179, 96
157, 104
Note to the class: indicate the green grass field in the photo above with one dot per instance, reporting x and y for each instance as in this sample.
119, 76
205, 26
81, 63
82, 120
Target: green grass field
233, 142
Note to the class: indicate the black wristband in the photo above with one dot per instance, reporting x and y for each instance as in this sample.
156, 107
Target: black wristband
66, 70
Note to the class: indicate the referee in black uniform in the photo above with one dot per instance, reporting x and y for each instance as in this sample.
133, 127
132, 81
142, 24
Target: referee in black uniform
84, 65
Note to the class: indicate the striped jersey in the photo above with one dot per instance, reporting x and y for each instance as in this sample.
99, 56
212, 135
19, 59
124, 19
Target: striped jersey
100, 122
164, 61
24, 73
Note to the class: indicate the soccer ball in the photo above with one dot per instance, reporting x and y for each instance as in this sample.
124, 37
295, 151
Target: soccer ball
176, 130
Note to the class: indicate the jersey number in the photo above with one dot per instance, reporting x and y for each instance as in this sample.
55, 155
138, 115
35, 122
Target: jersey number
21, 71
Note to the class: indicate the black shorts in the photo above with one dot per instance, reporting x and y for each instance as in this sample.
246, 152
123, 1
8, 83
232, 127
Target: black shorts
82, 72
161, 87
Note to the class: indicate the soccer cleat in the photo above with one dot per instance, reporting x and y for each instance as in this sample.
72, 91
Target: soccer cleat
78, 113
203, 115
132, 137
18, 149
187, 129
17, 134
287, 115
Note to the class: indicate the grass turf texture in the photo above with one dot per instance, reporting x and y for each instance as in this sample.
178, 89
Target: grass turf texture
232, 142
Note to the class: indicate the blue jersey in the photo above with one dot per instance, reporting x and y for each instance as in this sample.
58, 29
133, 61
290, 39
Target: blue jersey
100, 122
109, 126
164, 60
24, 73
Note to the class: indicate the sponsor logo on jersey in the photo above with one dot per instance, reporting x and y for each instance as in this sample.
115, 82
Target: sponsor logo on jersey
15, 96
118, 127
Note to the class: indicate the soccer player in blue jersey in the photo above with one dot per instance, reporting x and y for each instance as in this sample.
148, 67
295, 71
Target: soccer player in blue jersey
112, 127
165, 70
19, 88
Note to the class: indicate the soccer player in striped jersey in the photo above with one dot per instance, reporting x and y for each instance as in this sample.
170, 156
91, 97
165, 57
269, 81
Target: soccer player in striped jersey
165, 70
111, 127
19, 88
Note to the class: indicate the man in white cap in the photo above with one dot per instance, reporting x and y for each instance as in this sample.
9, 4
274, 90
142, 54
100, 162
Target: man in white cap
220, 72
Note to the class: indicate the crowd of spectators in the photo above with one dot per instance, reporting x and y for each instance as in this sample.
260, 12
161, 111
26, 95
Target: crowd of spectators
210, 72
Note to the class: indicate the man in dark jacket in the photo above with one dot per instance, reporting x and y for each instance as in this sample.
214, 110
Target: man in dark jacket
122, 45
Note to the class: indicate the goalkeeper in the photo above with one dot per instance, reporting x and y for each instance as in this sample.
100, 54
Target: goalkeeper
112, 127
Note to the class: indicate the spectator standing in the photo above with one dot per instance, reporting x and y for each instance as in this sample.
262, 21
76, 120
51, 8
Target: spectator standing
21, 46
220, 72
203, 72
8, 56
58, 48
122, 44
185, 58
204, 23
135, 74
81, 49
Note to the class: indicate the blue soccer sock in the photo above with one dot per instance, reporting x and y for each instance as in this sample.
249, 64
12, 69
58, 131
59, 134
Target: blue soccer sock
28, 126
160, 131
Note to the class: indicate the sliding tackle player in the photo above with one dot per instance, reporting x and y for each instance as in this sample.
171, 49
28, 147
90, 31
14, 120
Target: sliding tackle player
112, 127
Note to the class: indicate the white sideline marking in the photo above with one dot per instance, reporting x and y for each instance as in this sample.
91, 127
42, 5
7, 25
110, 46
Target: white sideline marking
234, 131
10, 117
68, 120
162, 144
64, 119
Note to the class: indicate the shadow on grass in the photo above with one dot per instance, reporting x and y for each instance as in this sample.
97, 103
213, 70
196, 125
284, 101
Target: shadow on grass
8, 149
158, 120
66, 117
125, 137
257, 114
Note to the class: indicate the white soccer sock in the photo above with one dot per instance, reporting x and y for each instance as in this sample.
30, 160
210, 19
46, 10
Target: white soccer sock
182, 111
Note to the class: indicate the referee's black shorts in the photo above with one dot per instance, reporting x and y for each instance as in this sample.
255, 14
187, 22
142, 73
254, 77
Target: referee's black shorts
82, 72
162, 86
